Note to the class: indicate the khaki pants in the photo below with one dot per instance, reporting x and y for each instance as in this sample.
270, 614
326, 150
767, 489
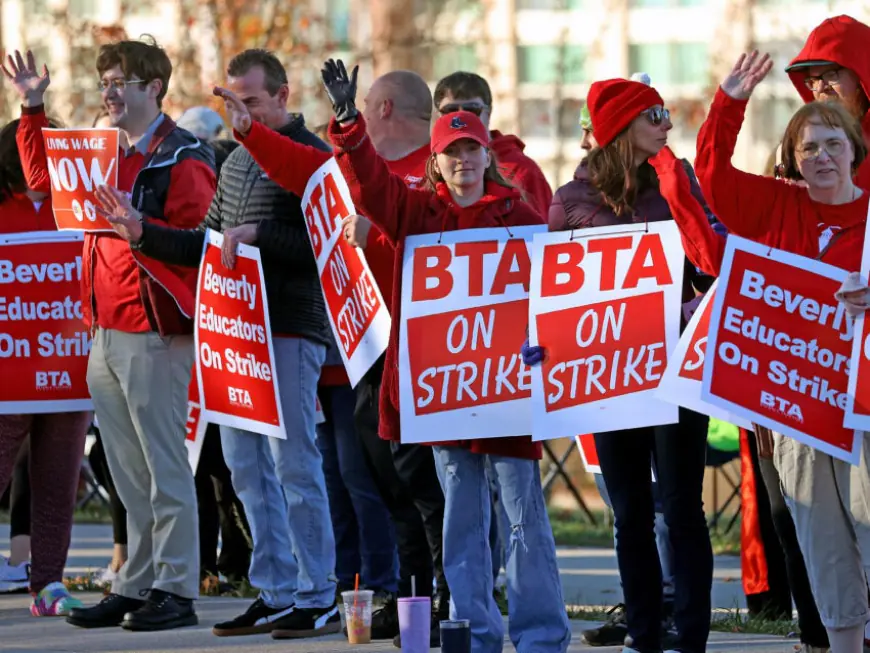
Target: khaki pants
138, 382
829, 501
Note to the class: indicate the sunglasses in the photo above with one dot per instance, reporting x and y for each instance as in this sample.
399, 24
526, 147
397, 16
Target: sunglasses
656, 115
472, 107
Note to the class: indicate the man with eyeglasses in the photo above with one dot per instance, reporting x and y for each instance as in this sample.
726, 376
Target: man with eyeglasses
138, 310
834, 65
463, 91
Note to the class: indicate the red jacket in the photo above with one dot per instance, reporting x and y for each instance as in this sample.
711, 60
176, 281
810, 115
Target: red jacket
841, 40
18, 214
397, 211
122, 290
521, 171
763, 209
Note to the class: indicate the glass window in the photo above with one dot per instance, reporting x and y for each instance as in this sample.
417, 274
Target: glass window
670, 63
338, 19
449, 59
536, 120
569, 118
551, 64
83, 8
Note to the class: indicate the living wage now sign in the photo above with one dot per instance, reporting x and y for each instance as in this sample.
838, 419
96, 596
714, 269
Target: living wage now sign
79, 161
464, 315
779, 346
605, 303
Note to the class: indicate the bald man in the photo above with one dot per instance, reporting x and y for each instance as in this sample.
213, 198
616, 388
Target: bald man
398, 112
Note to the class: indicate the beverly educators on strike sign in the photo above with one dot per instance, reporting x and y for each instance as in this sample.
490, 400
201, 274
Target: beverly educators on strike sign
828, 497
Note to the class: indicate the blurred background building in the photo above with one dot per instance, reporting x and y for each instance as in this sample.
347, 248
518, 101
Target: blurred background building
539, 55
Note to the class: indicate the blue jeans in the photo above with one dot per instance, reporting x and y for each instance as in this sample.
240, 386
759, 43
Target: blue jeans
537, 618
663, 540
280, 483
364, 541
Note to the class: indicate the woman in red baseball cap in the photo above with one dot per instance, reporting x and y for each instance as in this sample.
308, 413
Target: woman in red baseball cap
465, 191
616, 184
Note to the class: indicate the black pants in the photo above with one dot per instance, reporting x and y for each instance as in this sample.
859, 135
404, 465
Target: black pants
100, 467
679, 451
812, 630
19, 493
408, 483
220, 513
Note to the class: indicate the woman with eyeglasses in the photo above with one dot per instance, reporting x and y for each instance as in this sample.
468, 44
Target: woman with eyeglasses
829, 499
615, 184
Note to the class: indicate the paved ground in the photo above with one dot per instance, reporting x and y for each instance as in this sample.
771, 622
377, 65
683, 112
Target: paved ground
589, 577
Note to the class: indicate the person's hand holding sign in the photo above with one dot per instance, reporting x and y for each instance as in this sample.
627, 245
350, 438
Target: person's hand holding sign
25, 79
115, 206
854, 294
747, 73
246, 233
356, 230
240, 117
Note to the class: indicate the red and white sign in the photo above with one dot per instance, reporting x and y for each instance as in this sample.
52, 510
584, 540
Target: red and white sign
682, 380
359, 318
195, 426
235, 361
781, 345
44, 344
588, 452
605, 303
858, 408
79, 161
464, 315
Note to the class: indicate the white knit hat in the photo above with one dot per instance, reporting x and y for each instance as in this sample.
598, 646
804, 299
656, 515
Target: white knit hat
202, 122
643, 78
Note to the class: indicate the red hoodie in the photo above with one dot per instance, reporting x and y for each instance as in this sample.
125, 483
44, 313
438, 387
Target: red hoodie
841, 40
18, 213
521, 171
397, 211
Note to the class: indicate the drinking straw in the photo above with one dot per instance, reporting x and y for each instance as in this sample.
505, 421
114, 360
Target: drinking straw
413, 586
355, 592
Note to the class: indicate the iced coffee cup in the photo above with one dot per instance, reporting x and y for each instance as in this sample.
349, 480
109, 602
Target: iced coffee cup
358, 615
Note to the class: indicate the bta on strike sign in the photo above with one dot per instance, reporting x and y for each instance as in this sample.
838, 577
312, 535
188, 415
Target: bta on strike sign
605, 304
682, 380
781, 344
79, 161
356, 310
464, 315
858, 407
195, 426
44, 345
235, 361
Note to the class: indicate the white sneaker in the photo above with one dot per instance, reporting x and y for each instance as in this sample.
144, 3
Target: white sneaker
107, 576
14, 579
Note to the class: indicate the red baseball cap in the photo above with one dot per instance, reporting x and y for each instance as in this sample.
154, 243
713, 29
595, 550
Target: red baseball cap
455, 126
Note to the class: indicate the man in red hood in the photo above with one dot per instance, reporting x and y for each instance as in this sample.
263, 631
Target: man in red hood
461, 91
834, 64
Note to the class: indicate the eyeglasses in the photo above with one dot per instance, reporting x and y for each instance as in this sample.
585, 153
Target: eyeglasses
473, 107
656, 115
118, 84
812, 151
829, 78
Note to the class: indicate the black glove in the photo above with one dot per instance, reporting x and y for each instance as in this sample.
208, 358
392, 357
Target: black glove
340, 89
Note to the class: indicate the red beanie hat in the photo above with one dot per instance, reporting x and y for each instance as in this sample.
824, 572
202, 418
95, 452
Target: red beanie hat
614, 103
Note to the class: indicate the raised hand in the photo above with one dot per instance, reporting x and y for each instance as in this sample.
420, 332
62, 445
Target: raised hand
115, 206
341, 89
24, 77
240, 117
747, 73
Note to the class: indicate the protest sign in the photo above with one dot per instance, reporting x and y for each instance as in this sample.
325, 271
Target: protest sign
356, 310
195, 426
235, 362
588, 452
79, 161
682, 380
605, 304
319, 416
858, 407
780, 346
464, 315
44, 344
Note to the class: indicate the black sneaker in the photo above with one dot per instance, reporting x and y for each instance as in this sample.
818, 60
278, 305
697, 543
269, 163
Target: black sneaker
257, 619
385, 621
612, 632
308, 622
107, 613
162, 611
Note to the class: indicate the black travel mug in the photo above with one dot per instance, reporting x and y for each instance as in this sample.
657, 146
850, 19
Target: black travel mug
456, 636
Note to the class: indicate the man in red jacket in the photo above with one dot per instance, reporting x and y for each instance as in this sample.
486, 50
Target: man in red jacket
139, 311
834, 64
461, 91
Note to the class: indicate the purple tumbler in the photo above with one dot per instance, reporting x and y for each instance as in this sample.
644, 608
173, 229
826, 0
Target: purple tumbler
415, 623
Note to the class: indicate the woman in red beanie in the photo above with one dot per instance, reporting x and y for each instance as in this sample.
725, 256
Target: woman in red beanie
829, 499
615, 184
465, 191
